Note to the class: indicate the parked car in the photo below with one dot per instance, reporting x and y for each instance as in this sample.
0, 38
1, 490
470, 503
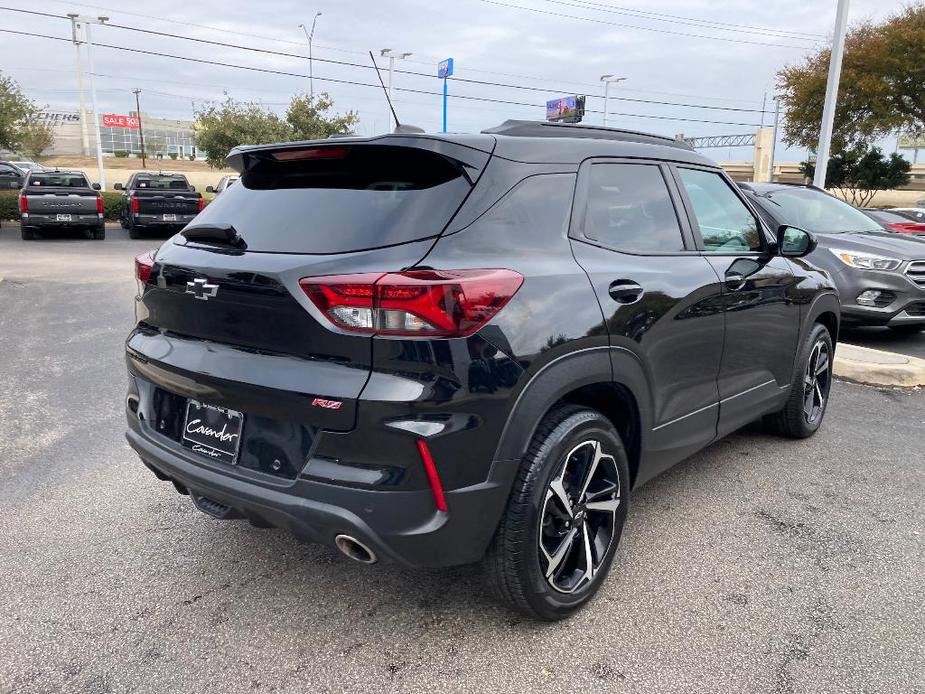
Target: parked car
60, 200
916, 214
880, 275
11, 176
438, 349
164, 202
27, 166
895, 221
223, 183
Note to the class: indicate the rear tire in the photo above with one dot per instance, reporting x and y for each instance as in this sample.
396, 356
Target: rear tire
27, 233
134, 233
556, 541
913, 329
802, 416
99, 233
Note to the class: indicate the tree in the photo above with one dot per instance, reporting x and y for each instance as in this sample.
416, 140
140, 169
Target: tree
861, 171
36, 136
15, 108
882, 86
220, 128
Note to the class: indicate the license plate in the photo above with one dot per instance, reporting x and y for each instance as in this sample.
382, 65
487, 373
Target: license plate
170, 217
213, 432
63, 217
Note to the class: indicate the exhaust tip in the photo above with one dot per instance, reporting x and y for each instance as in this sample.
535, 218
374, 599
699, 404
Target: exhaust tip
354, 549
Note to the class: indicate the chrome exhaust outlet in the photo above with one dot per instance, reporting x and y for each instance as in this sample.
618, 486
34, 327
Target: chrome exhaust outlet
356, 550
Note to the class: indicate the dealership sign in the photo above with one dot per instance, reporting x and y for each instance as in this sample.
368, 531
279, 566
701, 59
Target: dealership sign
112, 120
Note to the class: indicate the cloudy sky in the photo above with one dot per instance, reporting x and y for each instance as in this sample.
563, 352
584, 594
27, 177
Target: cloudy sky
688, 54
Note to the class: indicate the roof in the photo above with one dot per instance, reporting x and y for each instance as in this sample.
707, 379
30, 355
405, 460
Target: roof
765, 186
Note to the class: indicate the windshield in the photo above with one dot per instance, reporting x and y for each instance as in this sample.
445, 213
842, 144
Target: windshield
162, 182
815, 211
58, 180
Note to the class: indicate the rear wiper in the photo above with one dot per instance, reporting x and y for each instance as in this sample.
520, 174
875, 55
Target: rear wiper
214, 234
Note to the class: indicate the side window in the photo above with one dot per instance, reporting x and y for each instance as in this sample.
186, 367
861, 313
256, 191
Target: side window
630, 209
539, 206
6, 170
726, 224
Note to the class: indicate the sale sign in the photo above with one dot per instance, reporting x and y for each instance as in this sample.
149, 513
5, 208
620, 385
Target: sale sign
113, 120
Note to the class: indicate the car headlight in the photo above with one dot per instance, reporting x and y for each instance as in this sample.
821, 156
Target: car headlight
866, 261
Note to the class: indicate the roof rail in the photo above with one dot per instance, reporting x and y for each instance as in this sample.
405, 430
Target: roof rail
530, 128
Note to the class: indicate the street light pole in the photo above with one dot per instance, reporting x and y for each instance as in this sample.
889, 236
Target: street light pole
141, 132
75, 37
310, 35
392, 56
774, 139
831, 94
96, 114
608, 80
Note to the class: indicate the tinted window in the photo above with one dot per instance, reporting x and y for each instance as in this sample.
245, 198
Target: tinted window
162, 182
6, 170
630, 209
58, 180
726, 224
814, 211
360, 197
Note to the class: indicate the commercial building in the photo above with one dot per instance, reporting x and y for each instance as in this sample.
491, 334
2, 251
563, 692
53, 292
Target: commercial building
121, 133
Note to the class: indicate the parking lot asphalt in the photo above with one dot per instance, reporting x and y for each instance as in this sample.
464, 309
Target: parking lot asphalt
760, 565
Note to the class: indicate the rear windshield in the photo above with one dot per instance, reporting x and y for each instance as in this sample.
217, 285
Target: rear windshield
349, 198
58, 180
162, 182
815, 211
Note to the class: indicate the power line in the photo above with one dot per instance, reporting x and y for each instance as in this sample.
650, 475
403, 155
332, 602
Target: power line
333, 80
463, 80
692, 21
638, 27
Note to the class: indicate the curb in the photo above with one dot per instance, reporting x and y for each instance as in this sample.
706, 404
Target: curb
878, 368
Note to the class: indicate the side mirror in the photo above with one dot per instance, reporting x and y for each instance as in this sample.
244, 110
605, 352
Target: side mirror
794, 242
193, 188
210, 189
117, 186
96, 186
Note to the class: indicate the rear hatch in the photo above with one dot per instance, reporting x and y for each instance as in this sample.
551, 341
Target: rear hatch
223, 304
60, 193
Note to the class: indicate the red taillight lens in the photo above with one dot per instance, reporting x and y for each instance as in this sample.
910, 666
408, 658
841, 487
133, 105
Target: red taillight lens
99, 204
134, 205
436, 303
202, 205
313, 153
23, 204
143, 265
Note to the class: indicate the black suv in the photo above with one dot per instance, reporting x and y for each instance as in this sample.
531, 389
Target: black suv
437, 349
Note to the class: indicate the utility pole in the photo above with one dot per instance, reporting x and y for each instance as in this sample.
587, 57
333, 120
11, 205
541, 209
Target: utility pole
310, 35
141, 132
774, 139
87, 21
764, 105
75, 37
831, 94
392, 56
608, 80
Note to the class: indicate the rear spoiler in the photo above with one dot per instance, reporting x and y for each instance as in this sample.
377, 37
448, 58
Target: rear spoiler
472, 151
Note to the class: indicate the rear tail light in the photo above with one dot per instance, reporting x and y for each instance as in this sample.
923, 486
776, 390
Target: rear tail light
313, 153
99, 204
134, 205
438, 303
143, 265
202, 205
23, 204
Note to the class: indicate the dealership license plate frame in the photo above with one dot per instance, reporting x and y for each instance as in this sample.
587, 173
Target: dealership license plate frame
207, 446
63, 218
170, 217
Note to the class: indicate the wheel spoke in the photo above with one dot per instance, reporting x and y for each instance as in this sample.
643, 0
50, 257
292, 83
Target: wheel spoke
609, 490
819, 395
808, 400
822, 364
557, 490
589, 558
592, 468
609, 505
555, 559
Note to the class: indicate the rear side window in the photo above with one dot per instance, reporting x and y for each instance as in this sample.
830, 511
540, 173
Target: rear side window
345, 199
630, 209
58, 180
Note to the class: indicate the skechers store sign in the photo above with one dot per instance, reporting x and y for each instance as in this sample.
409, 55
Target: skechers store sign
59, 117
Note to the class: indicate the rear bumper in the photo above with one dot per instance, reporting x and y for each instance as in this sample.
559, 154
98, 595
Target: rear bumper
51, 220
402, 527
157, 220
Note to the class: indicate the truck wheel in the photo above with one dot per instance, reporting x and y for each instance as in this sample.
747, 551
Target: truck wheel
558, 536
123, 223
134, 232
99, 233
27, 233
809, 394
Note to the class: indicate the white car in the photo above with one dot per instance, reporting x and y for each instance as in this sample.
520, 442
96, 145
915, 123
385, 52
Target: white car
28, 166
223, 184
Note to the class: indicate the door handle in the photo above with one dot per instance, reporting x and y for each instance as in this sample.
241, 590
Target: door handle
735, 280
624, 291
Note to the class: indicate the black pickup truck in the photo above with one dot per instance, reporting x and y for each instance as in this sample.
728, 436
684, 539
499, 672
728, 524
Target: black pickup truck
60, 200
158, 202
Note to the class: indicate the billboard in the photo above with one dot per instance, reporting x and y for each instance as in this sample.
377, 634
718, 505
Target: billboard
907, 141
566, 109
445, 68
113, 120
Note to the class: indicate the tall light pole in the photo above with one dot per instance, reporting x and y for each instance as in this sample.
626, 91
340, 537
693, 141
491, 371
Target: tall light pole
310, 35
608, 80
774, 139
831, 94
86, 22
392, 56
76, 38
141, 132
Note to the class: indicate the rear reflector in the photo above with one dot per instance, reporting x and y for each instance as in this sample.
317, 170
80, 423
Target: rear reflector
436, 486
313, 153
143, 265
435, 303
